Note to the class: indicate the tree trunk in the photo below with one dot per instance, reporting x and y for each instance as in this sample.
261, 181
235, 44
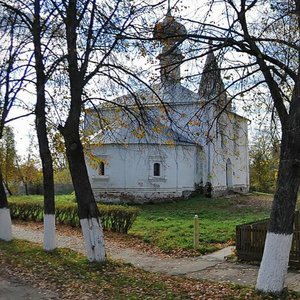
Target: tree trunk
5, 219
87, 207
26, 189
41, 128
48, 184
274, 265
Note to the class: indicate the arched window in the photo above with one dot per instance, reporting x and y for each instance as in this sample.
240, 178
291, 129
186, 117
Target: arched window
102, 169
156, 169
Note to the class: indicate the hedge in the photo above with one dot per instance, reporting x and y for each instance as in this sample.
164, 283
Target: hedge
117, 218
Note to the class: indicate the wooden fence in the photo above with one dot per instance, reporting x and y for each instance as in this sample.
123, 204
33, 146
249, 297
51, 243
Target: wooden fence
250, 240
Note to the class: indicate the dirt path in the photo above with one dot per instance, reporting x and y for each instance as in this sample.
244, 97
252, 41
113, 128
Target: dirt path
213, 266
13, 289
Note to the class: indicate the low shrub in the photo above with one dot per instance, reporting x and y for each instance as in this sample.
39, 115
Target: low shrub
117, 218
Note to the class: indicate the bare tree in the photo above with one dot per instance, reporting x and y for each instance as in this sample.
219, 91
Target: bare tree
265, 37
12, 75
29, 17
41, 126
82, 33
92, 43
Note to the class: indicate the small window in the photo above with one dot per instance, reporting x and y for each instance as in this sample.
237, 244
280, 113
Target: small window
102, 169
235, 138
156, 169
222, 140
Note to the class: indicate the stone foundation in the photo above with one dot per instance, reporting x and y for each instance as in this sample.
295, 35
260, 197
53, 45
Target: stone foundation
138, 197
224, 191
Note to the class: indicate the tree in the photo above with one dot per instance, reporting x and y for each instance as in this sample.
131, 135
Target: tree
36, 28
79, 17
30, 13
7, 159
92, 33
264, 159
30, 174
264, 35
12, 74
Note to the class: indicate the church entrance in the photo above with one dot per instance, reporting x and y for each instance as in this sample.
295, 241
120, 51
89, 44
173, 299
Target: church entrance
229, 174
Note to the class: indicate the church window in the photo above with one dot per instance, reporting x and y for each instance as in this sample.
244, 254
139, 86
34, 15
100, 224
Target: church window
222, 139
156, 169
101, 170
235, 138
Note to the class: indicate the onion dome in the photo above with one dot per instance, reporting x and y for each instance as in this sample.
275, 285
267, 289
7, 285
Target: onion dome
169, 31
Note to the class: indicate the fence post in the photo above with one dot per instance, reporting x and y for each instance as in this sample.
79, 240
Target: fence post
196, 232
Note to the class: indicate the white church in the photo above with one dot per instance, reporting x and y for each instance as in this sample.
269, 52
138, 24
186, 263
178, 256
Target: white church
169, 142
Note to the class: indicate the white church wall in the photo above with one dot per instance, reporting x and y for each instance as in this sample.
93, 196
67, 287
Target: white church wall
128, 167
229, 158
129, 172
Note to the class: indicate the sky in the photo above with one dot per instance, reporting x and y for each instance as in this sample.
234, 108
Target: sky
23, 128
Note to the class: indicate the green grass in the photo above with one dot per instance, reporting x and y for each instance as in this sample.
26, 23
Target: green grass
170, 225
73, 277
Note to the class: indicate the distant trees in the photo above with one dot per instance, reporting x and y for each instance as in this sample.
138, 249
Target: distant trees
29, 175
264, 163
8, 157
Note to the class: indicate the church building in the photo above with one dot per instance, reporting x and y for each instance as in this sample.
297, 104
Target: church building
169, 142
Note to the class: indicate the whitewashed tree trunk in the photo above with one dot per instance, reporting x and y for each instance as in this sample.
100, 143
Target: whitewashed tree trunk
49, 232
93, 239
278, 243
5, 224
41, 129
274, 265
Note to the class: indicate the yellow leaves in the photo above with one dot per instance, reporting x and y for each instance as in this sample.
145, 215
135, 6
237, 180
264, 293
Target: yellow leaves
194, 123
94, 160
138, 133
170, 143
62, 176
158, 129
58, 142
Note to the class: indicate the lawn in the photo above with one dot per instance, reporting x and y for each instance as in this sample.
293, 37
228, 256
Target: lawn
170, 225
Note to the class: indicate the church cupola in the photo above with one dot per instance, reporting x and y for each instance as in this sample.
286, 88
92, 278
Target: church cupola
171, 34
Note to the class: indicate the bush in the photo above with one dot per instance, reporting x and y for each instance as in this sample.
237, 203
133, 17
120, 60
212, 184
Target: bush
117, 218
